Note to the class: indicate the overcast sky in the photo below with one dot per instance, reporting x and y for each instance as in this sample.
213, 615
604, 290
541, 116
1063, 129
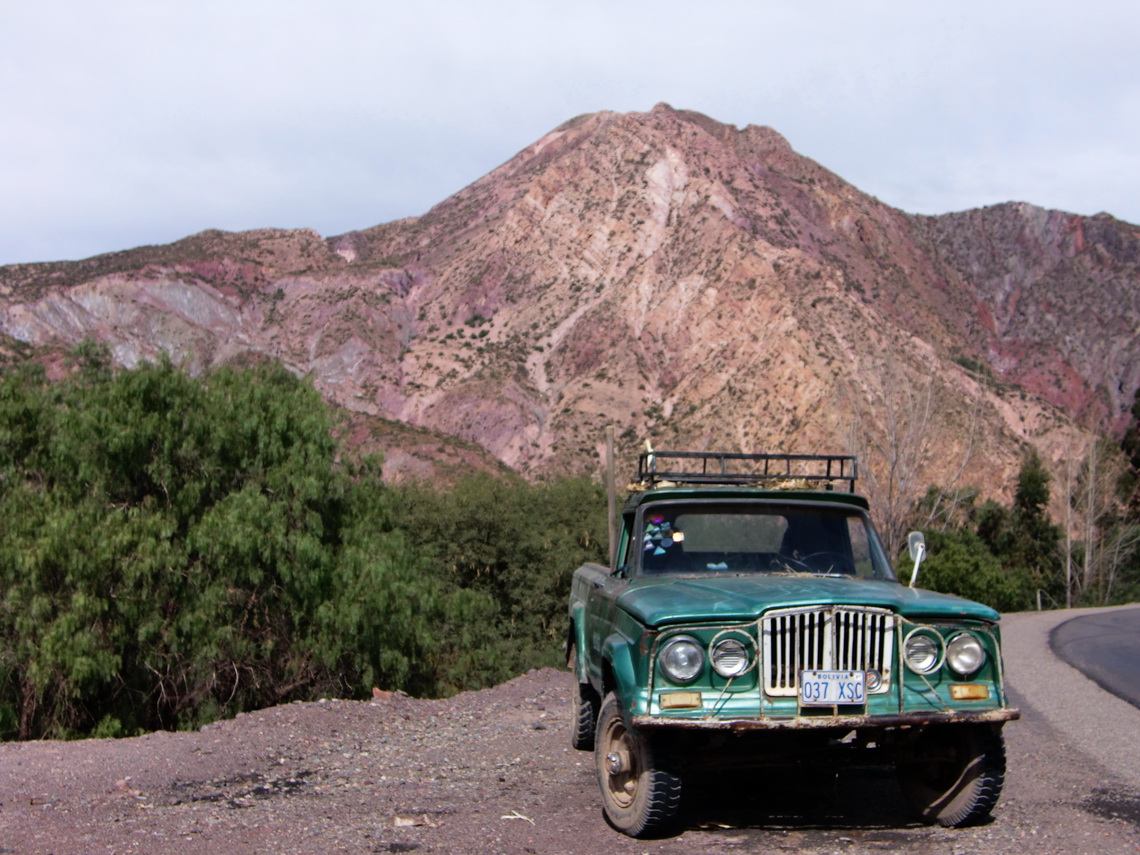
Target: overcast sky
126, 123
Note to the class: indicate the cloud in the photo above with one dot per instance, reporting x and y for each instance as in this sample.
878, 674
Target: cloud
140, 122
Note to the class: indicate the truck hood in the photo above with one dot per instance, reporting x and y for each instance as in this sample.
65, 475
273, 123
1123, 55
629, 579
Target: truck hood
660, 602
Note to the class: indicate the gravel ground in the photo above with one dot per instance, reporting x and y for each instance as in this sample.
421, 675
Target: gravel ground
491, 771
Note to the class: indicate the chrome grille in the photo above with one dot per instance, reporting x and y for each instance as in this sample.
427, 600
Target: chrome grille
831, 638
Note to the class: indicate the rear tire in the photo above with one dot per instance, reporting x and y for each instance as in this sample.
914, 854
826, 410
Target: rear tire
585, 719
584, 711
953, 776
640, 784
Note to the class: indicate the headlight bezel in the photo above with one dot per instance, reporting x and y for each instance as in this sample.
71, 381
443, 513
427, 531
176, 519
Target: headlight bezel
669, 668
747, 653
954, 654
933, 656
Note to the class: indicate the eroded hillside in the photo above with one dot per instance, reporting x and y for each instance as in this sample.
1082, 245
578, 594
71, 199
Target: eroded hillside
677, 277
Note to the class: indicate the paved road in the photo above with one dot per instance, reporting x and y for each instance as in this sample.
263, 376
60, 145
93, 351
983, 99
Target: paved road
1106, 648
1083, 714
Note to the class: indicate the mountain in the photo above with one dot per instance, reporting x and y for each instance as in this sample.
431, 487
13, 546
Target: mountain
680, 278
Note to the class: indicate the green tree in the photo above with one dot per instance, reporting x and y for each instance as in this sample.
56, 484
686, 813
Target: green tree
176, 549
1129, 485
1030, 543
959, 563
515, 546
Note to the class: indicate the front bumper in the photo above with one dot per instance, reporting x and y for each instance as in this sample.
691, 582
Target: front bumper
817, 722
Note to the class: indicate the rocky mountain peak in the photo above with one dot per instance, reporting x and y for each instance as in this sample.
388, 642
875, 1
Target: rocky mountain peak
675, 276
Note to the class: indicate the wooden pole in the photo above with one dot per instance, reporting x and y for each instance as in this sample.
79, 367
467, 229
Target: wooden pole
611, 494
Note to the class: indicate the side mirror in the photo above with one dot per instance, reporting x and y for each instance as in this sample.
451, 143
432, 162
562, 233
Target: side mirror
917, 545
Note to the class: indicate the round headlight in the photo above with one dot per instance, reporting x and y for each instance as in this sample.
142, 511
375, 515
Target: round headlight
730, 657
922, 651
682, 660
965, 654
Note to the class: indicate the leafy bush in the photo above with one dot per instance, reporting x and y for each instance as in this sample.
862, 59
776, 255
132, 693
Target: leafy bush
515, 545
177, 549
958, 562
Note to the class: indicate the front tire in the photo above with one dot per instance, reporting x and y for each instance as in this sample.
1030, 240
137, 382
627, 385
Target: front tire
640, 784
953, 776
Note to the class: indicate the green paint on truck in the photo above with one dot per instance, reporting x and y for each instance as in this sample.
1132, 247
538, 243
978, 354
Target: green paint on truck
751, 617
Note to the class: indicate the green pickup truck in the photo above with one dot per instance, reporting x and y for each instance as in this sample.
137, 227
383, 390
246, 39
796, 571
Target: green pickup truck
751, 616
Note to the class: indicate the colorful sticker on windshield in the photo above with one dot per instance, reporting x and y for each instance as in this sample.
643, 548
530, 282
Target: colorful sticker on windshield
660, 535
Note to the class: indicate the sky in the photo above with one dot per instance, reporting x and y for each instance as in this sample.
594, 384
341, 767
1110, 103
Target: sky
127, 123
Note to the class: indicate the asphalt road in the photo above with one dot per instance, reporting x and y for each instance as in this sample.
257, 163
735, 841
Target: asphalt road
1047, 688
1106, 648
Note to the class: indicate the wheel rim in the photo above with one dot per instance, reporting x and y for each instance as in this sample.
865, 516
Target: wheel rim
620, 764
942, 770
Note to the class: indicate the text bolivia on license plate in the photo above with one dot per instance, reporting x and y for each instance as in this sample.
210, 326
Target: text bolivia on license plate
829, 688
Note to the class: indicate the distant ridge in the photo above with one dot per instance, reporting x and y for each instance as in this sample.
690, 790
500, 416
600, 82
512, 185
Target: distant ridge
676, 276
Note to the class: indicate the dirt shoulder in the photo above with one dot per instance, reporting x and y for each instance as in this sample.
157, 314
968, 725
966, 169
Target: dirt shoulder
492, 771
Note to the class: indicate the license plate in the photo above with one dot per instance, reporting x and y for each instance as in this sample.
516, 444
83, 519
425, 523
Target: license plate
829, 688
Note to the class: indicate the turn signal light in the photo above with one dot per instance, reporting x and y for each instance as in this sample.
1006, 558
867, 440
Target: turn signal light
680, 700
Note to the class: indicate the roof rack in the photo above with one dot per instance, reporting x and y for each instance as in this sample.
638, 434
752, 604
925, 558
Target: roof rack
787, 471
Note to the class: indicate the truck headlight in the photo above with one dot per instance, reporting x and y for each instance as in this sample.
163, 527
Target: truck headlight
681, 660
965, 654
730, 657
922, 650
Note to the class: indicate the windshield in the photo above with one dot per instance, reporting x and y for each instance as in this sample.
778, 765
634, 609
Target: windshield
755, 537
